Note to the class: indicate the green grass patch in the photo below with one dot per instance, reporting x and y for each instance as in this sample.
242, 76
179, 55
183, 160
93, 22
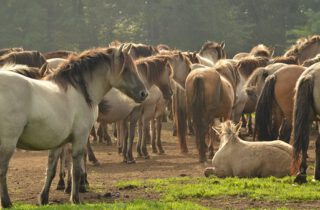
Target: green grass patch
273, 189
134, 205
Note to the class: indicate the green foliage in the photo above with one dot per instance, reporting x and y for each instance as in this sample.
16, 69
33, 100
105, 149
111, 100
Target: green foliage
184, 24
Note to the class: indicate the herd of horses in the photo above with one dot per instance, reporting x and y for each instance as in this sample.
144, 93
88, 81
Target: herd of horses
52, 101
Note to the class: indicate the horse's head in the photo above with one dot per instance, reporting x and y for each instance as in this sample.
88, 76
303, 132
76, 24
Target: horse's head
181, 66
164, 81
125, 76
213, 51
228, 132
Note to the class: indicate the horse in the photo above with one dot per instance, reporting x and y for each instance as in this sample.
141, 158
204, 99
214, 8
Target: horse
311, 61
212, 51
10, 50
209, 95
58, 54
284, 59
276, 103
29, 58
257, 51
243, 159
305, 48
140, 50
60, 108
305, 110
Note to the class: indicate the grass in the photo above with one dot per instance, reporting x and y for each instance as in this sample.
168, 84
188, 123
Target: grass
135, 205
270, 189
186, 192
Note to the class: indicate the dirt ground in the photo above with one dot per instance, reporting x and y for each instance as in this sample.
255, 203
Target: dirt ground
27, 172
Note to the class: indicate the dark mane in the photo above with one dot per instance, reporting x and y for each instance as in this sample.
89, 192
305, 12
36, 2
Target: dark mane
261, 51
29, 58
213, 45
192, 56
301, 44
73, 71
311, 61
152, 67
9, 50
142, 50
285, 59
247, 65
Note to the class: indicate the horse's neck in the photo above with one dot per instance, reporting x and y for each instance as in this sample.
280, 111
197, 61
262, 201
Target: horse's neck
309, 52
144, 72
98, 84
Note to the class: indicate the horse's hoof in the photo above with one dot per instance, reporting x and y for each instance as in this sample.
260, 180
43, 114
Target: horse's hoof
75, 200
161, 152
146, 157
6, 203
301, 179
208, 172
131, 161
96, 163
43, 199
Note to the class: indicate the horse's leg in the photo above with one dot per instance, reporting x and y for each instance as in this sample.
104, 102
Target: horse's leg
243, 120
139, 152
100, 132
317, 163
68, 166
158, 135
83, 179
91, 155
124, 138
173, 116
145, 135
190, 126
181, 119
249, 125
93, 133
5, 156
61, 184
107, 137
153, 136
51, 172
133, 124
114, 129
77, 155
212, 137
119, 133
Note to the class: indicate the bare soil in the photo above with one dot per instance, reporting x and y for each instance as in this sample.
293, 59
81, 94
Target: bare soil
27, 172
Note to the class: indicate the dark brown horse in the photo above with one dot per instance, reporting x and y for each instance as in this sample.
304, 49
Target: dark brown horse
275, 104
29, 58
311, 61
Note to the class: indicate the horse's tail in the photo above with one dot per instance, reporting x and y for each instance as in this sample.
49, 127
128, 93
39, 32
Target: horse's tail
302, 110
263, 118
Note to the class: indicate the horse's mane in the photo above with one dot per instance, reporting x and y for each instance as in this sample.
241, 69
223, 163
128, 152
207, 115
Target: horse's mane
9, 50
227, 68
213, 45
29, 58
24, 70
247, 65
163, 47
192, 56
152, 67
173, 53
261, 51
115, 43
285, 59
311, 61
301, 44
73, 71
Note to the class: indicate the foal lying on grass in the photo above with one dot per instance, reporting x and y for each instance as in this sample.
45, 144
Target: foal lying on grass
236, 157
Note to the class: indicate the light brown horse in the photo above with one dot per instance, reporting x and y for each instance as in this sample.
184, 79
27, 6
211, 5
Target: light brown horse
305, 48
213, 51
306, 108
258, 51
276, 103
29, 58
210, 95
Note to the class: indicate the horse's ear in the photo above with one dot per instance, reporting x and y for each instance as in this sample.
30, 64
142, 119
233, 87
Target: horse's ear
238, 127
127, 48
222, 45
43, 69
216, 130
271, 49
